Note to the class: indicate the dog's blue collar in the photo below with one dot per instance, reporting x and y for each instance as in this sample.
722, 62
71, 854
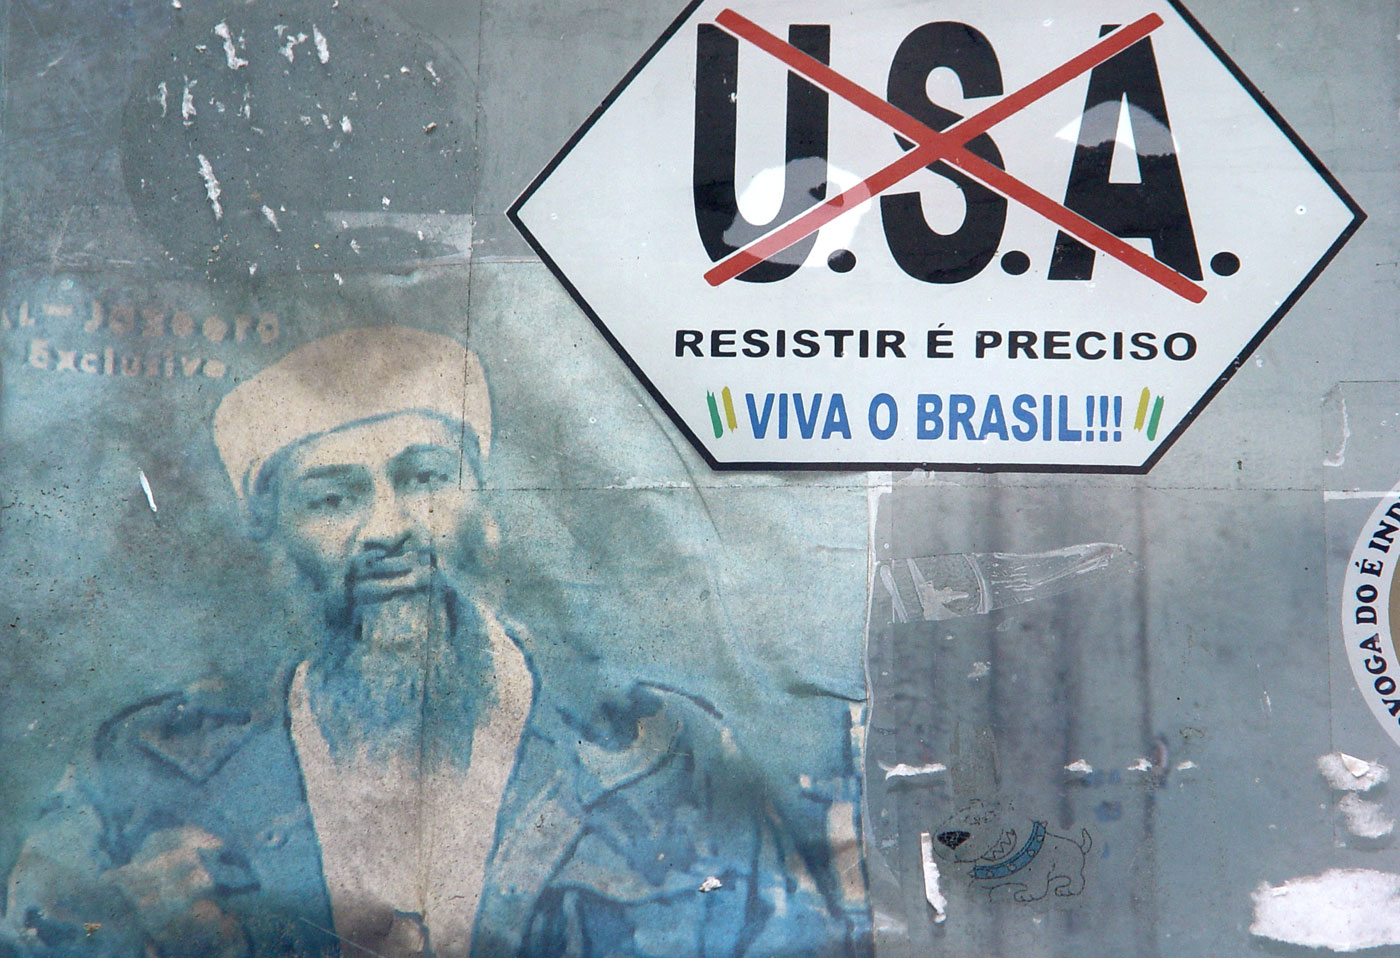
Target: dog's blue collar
1017, 861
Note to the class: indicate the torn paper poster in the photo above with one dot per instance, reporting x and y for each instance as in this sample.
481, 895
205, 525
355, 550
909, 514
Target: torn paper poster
1365, 819
1343, 909
460, 689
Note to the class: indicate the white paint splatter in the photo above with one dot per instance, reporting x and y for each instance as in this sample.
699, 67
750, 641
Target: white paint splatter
384, 200
1365, 819
271, 217
222, 31
710, 884
980, 670
323, 50
1141, 765
177, 4
1344, 909
432, 73
1185, 766
932, 893
164, 98
187, 110
1080, 766
1340, 458
339, 280
345, 126
901, 770
146, 488
211, 186
1347, 773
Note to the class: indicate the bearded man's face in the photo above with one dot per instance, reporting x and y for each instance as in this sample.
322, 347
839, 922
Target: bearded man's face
379, 511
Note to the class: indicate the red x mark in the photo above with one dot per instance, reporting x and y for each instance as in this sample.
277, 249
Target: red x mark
949, 146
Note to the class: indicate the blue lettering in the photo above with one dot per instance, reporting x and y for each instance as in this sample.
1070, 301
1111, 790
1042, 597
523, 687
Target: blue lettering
960, 409
994, 419
1023, 408
836, 418
886, 401
806, 424
930, 422
759, 422
1067, 434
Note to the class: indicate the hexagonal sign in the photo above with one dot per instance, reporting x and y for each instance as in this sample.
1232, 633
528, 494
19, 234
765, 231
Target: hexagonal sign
987, 234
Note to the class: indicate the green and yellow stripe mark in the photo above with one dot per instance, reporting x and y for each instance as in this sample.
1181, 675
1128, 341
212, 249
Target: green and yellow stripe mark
1142, 415
730, 418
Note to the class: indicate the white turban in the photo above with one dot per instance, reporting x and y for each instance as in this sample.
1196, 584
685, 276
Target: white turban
346, 378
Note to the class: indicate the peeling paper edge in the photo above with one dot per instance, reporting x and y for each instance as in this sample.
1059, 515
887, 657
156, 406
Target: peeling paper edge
903, 770
1347, 773
932, 893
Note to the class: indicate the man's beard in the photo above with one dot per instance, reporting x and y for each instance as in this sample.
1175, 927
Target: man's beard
406, 674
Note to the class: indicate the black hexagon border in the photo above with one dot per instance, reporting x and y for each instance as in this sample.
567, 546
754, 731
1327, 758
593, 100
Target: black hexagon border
1358, 217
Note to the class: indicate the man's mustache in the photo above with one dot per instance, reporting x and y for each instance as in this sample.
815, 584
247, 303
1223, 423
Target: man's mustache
389, 564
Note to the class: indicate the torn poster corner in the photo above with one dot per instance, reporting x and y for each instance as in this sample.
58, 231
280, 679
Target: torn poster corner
902, 770
932, 893
1344, 909
1347, 773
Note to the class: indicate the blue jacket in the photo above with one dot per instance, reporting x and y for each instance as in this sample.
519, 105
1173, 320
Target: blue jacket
188, 834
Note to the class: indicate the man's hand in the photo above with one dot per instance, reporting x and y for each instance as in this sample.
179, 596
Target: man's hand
175, 881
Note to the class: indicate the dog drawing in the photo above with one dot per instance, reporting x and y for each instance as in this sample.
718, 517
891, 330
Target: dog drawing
1012, 855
